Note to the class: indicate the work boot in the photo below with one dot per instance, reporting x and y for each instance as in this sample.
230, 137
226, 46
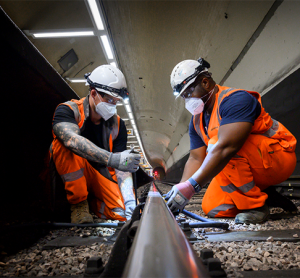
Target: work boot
80, 213
275, 199
253, 216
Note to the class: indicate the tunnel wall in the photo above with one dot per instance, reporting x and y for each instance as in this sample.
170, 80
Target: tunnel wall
269, 58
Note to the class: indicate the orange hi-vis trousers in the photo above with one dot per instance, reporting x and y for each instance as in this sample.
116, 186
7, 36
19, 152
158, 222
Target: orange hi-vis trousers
260, 163
80, 179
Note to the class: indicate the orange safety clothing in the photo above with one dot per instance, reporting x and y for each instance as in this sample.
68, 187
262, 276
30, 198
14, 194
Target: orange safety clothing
80, 178
267, 158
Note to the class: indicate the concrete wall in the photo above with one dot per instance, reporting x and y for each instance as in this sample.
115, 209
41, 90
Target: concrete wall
273, 56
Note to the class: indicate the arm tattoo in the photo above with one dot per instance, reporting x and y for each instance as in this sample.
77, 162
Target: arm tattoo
69, 135
125, 184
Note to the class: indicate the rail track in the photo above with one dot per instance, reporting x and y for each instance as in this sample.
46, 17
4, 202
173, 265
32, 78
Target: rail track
270, 249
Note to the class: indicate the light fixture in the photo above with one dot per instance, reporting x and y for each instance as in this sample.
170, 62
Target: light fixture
114, 64
107, 47
96, 14
62, 34
130, 116
131, 142
128, 108
76, 80
125, 119
132, 122
126, 101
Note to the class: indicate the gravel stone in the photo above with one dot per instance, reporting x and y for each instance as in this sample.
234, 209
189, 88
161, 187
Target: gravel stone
234, 256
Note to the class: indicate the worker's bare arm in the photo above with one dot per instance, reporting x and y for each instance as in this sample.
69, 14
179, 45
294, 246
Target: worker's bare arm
193, 163
231, 138
125, 184
69, 135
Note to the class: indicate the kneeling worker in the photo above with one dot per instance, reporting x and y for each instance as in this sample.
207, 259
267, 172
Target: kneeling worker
89, 150
234, 143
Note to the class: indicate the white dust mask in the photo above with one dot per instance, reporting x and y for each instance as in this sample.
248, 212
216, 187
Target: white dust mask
196, 105
105, 110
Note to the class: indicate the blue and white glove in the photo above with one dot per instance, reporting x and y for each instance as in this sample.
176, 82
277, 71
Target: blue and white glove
129, 208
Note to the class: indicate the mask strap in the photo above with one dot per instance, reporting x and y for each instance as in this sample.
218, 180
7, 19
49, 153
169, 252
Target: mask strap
212, 90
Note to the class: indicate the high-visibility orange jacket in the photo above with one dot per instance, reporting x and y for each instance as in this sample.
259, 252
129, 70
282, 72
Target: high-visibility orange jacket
110, 129
263, 125
266, 158
80, 178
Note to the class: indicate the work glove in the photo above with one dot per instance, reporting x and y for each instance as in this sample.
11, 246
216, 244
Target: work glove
126, 161
129, 208
179, 196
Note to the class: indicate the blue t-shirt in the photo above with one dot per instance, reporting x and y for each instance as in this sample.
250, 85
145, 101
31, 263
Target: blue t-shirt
240, 106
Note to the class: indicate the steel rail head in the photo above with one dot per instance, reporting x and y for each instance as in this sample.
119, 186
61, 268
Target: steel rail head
160, 248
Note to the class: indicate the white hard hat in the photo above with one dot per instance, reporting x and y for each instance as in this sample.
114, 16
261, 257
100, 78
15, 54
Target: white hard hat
185, 73
109, 80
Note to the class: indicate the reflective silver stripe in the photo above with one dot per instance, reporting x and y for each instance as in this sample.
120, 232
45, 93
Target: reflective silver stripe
216, 210
209, 147
119, 211
197, 126
229, 188
272, 130
219, 100
73, 176
115, 128
75, 110
247, 187
102, 208
244, 188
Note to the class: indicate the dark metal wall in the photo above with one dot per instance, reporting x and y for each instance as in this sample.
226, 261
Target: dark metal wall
283, 104
30, 91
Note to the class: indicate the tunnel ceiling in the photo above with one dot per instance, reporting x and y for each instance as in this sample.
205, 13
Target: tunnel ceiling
150, 38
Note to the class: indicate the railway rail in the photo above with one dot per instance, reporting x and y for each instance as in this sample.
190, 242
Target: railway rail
232, 249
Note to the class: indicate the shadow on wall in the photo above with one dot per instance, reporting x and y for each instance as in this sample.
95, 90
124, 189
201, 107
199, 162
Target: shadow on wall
31, 89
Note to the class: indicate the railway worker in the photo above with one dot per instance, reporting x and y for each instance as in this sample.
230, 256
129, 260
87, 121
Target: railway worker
89, 150
234, 143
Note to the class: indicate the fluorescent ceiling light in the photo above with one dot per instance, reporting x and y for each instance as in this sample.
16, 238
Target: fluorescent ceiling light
119, 104
127, 106
130, 116
125, 119
131, 142
74, 80
107, 47
126, 101
96, 14
130, 136
114, 64
132, 122
63, 34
